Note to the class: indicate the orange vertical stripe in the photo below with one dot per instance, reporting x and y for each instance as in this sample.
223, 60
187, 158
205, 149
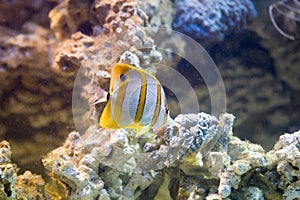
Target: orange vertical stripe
142, 99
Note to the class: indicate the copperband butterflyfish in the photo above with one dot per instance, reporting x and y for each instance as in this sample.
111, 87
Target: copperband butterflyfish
136, 100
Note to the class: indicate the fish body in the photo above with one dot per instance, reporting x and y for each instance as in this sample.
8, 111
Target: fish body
136, 101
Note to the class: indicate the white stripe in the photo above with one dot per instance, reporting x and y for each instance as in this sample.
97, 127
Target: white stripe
160, 120
114, 96
131, 99
151, 100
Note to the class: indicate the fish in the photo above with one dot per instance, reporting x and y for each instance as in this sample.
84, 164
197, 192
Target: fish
136, 100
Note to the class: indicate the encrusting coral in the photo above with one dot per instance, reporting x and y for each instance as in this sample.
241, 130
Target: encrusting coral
209, 21
13, 186
92, 167
8, 173
107, 163
94, 17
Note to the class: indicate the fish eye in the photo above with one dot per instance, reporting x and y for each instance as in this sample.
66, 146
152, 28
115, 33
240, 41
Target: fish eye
107, 96
122, 77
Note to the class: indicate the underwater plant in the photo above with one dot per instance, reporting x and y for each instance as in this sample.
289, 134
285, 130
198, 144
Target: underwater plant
285, 17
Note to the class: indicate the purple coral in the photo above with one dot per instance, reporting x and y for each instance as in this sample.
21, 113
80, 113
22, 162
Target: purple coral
209, 21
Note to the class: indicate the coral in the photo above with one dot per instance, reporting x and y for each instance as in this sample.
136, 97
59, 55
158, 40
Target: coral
86, 174
264, 107
30, 186
106, 161
20, 49
158, 12
201, 159
254, 193
31, 98
254, 172
39, 71
244, 156
228, 162
240, 81
12, 186
8, 173
209, 21
285, 53
121, 17
242, 170
67, 17
83, 180
263, 112
95, 17
281, 70
70, 56
23, 11
103, 163
286, 156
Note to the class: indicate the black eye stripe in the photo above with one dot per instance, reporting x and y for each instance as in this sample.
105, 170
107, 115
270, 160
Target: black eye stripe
107, 96
122, 77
